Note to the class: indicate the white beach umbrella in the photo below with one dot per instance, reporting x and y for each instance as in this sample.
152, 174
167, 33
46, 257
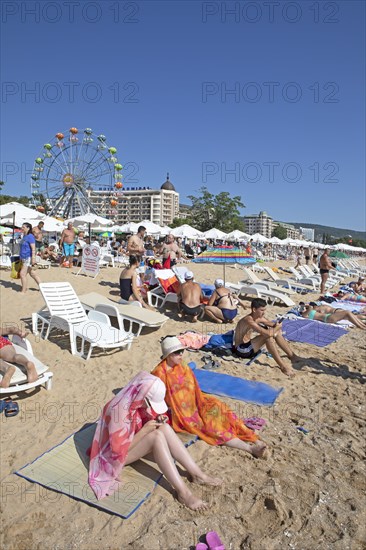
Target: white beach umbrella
52, 225
214, 234
187, 231
275, 240
237, 235
258, 238
90, 219
16, 213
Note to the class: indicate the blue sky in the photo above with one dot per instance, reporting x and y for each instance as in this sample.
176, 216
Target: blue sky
155, 77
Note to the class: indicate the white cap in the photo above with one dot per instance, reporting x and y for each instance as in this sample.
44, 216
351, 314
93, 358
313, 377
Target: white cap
219, 283
188, 275
156, 396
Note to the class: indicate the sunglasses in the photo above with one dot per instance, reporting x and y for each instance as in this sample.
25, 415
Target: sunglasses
179, 352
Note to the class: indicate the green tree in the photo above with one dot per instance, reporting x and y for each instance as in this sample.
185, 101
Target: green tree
220, 211
177, 222
4, 199
279, 232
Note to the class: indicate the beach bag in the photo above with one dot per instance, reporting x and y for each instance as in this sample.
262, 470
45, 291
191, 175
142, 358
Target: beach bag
16, 265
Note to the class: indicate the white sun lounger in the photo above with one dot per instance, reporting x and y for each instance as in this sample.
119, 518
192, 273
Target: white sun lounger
259, 291
19, 381
133, 315
64, 311
287, 283
254, 279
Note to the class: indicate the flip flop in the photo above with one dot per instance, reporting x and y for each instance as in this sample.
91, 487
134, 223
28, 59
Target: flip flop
2, 405
201, 546
211, 365
11, 408
214, 542
255, 423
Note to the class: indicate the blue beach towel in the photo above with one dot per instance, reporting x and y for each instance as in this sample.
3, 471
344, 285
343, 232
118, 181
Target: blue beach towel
311, 332
224, 385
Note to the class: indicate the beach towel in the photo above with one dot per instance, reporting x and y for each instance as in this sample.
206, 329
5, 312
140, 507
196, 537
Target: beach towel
347, 306
236, 388
194, 412
193, 340
64, 469
311, 332
221, 340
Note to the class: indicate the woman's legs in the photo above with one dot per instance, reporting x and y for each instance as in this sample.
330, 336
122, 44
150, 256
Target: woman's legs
34, 275
156, 443
8, 371
214, 313
23, 278
180, 453
257, 450
347, 316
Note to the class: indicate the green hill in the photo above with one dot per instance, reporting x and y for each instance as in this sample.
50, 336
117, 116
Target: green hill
335, 232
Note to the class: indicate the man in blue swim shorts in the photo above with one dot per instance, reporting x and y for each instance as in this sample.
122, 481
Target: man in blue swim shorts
67, 243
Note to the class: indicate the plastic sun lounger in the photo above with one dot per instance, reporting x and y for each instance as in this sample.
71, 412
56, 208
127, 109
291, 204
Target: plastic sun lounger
253, 278
131, 314
259, 291
158, 297
5, 261
287, 283
64, 311
19, 381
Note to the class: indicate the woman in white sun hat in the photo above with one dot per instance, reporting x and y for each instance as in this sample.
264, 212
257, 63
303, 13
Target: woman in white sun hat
133, 425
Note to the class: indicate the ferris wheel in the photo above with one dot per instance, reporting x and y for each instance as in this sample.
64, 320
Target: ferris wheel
69, 168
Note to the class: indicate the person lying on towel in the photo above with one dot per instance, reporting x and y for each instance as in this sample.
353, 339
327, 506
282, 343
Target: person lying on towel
328, 314
349, 297
133, 424
197, 413
8, 354
269, 334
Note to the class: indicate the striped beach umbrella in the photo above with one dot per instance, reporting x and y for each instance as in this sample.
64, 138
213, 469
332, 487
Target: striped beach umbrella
225, 255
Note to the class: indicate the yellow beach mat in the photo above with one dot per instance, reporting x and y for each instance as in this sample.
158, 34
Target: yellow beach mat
64, 469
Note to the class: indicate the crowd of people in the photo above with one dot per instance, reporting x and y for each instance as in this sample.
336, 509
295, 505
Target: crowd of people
153, 407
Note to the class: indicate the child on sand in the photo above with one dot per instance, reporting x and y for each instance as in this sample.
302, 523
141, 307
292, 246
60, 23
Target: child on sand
8, 353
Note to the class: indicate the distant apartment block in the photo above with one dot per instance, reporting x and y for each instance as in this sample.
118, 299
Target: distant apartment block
292, 231
308, 233
259, 223
134, 204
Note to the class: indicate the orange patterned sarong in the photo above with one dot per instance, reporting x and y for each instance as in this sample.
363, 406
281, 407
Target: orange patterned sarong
198, 413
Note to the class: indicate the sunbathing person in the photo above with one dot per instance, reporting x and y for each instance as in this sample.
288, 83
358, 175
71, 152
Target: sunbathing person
270, 335
133, 425
190, 297
129, 290
8, 354
349, 297
222, 306
321, 313
197, 413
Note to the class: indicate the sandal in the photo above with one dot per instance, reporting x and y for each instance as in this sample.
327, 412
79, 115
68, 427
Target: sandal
255, 423
11, 408
214, 542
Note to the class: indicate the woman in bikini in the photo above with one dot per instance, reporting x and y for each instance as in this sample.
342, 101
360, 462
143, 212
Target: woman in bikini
129, 290
9, 354
322, 313
222, 306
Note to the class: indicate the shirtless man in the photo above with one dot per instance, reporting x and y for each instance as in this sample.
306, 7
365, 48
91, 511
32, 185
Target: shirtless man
325, 266
222, 306
38, 235
8, 354
190, 297
327, 314
270, 335
67, 244
307, 254
171, 250
135, 243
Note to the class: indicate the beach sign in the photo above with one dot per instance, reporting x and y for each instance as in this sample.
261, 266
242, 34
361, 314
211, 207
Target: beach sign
90, 260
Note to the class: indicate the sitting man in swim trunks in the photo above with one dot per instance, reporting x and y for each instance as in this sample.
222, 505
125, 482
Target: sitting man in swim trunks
327, 314
222, 306
269, 334
8, 354
325, 266
67, 243
190, 297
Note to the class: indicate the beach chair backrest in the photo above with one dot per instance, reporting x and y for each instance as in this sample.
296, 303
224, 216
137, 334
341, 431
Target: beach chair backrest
271, 274
180, 272
251, 276
62, 300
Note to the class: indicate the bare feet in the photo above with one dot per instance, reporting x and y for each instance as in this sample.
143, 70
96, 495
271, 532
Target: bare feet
258, 449
32, 375
205, 479
5, 382
194, 319
288, 371
191, 501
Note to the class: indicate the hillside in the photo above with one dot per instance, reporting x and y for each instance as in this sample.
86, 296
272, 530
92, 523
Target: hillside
333, 231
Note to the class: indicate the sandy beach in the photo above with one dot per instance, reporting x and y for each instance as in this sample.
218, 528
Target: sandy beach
308, 494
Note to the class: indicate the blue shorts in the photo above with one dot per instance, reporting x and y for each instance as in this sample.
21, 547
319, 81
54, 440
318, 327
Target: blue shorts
69, 249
